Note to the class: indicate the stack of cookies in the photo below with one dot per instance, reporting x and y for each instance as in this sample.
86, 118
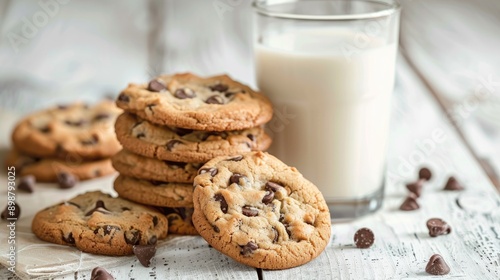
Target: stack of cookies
172, 126
66, 143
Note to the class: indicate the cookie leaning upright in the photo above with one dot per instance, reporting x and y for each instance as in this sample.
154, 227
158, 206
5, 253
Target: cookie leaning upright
76, 131
259, 211
185, 100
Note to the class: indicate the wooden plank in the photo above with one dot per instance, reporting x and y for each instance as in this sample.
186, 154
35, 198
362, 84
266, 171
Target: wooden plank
403, 245
458, 61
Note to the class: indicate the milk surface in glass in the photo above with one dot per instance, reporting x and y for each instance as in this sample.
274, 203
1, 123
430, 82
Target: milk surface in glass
337, 97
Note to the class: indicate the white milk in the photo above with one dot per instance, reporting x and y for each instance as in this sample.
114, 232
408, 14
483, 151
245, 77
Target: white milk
340, 96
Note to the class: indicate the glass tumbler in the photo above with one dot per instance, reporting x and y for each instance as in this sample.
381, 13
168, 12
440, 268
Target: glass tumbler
328, 66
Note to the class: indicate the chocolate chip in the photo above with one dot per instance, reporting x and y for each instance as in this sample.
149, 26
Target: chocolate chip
27, 183
184, 93
248, 248
69, 239
415, 188
62, 106
45, 129
70, 203
219, 87
92, 141
132, 237
236, 158
229, 94
144, 253
216, 228
99, 207
235, 178
181, 131
156, 86
140, 135
152, 240
106, 230
125, 209
155, 221
364, 238
100, 273
276, 235
101, 116
410, 203
437, 266
75, 123
251, 137
215, 99
172, 143
268, 197
425, 173
156, 183
212, 170
123, 98
223, 203
437, 227
249, 211
453, 185
175, 164
273, 186
66, 180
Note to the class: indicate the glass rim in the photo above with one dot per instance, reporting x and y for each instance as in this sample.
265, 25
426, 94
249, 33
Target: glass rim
391, 8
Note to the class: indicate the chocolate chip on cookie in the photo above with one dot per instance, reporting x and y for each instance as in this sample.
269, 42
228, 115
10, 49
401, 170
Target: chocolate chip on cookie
255, 208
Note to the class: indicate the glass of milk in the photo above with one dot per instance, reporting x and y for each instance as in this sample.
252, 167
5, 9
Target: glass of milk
328, 67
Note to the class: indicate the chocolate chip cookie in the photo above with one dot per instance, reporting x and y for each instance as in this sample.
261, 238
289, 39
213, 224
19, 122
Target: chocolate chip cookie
130, 164
180, 220
185, 100
73, 131
46, 169
154, 193
97, 223
183, 145
259, 211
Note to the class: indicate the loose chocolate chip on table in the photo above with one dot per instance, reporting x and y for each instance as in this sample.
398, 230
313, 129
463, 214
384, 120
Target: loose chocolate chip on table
99, 207
26, 183
437, 227
12, 211
223, 203
215, 99
172, 143
249, 211
184, 93
425, 173
219, 87
410, 203
268, 197
453, 185
100, 273
415, 188
235, 178
156, 86
212, 170
364, 238
144, 253
123, 97
248, 248
437, 266
66, 180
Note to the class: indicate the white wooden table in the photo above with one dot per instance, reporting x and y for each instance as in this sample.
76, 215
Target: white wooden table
402, 247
